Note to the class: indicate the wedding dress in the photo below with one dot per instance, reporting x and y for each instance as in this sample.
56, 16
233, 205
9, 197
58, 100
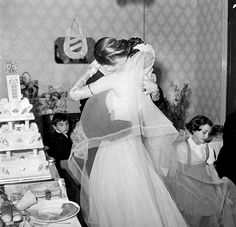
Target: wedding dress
123, 187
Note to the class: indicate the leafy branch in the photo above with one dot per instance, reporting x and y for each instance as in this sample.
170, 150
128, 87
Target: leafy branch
176, 110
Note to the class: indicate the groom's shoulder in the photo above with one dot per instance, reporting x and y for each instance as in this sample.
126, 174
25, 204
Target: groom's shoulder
95, 77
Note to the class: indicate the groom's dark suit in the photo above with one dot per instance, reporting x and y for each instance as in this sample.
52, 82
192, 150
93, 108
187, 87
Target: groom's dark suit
94, 78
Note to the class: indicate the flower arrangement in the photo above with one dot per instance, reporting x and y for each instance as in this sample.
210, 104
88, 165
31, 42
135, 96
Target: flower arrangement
53, 101
47, 103
177, 102
30, 89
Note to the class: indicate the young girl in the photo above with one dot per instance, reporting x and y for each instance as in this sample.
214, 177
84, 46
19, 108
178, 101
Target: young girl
202, 197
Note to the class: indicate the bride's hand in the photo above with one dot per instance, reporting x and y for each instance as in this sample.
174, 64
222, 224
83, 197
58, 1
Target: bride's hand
78, 93
149, 87
144, 47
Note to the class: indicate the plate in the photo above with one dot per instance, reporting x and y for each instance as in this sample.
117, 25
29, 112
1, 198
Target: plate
51, 211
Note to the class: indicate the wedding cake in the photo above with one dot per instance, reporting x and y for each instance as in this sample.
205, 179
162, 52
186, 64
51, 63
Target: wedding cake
21, 134
21, 155
23, 166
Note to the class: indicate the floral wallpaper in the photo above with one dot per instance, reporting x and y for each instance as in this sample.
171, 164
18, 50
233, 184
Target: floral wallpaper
182, 32
173, 25
188, 39
209, 59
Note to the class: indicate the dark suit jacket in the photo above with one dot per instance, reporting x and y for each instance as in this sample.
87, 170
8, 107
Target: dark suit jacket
160, 103
225, 164
94, 78
59, 148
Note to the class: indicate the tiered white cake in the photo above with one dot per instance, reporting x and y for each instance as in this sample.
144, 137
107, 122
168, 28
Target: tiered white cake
23, 166
21, 155
15, 131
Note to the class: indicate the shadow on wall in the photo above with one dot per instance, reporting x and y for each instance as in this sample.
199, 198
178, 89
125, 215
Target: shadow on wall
126, 2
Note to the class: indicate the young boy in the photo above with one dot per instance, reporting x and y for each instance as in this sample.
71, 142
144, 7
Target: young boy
59, 149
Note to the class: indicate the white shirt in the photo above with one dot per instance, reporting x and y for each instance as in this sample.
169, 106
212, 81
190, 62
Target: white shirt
198, 153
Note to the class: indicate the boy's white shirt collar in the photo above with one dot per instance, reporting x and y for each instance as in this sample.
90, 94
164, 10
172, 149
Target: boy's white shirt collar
61, 133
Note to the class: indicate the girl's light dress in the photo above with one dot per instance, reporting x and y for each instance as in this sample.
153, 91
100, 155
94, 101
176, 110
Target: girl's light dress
203, 198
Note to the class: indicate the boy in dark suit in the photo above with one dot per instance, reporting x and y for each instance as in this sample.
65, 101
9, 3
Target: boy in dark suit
59, 149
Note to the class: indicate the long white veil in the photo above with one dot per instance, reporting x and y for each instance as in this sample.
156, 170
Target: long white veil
136, 116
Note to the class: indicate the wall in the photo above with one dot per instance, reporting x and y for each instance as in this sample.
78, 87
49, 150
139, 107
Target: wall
209, 58
171, 29
189, 42
177, 29
29, 28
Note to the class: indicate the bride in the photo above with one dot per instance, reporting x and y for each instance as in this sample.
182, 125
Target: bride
119, 129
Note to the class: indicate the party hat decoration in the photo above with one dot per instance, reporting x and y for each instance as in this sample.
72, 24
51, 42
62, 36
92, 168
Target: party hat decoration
11, 67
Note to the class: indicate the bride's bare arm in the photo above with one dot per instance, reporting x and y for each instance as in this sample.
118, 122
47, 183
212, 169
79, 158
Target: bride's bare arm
86, 91
80, 90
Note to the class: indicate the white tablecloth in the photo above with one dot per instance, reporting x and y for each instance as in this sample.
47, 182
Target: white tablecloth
73, 222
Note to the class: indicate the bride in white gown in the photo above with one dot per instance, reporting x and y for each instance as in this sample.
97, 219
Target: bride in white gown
123, 188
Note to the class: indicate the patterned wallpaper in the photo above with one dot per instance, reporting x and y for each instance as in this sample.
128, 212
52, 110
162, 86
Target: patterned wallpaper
208, 69
186, 35
29, 29
171, 29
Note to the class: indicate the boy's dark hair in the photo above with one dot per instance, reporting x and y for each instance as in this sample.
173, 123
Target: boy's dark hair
57, 117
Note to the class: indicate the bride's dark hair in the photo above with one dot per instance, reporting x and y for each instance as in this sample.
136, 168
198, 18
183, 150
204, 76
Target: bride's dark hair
107, 50
134, 41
